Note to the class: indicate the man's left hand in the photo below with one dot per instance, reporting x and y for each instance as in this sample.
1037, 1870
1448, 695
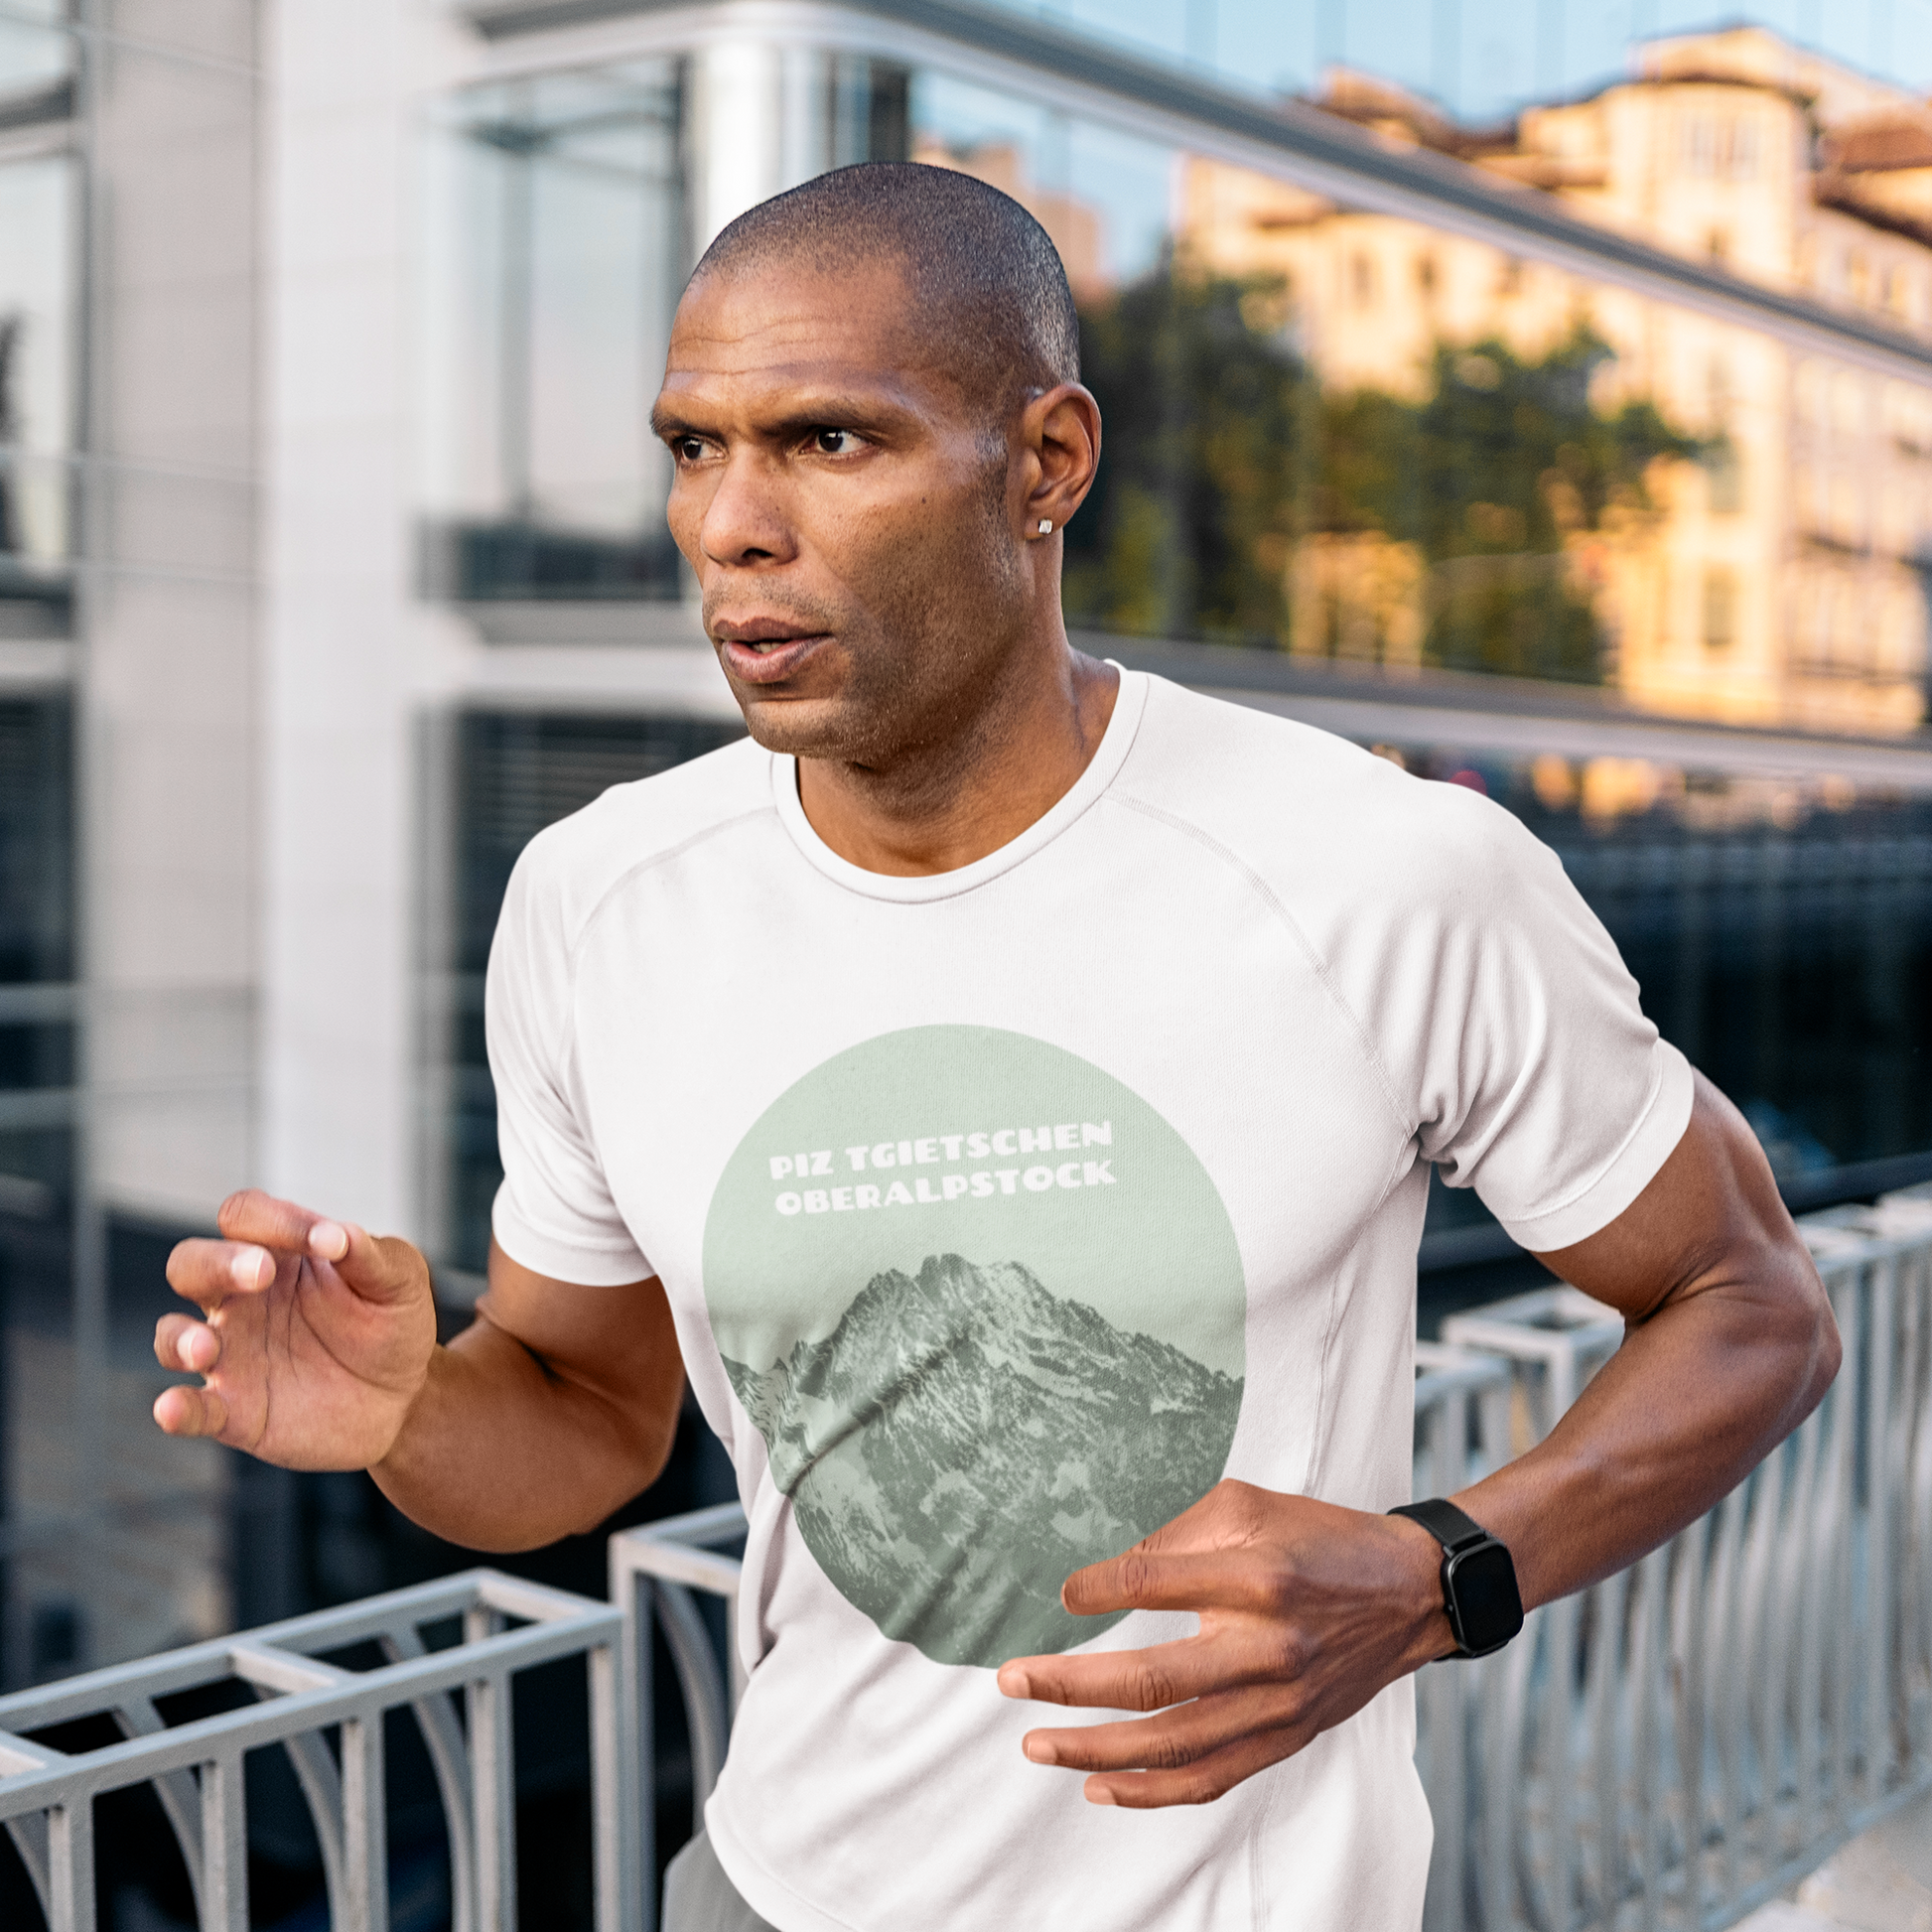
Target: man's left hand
1307, 1610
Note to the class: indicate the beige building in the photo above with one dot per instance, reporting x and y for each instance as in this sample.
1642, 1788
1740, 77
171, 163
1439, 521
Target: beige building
1785, 583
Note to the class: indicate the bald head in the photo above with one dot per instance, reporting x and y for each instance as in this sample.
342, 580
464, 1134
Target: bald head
986, 283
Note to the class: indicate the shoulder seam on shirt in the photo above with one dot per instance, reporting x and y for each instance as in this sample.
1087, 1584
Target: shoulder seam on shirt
671, 852
567, 1045
1269, 897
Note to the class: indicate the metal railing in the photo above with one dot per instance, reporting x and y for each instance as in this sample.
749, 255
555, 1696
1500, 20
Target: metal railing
1671, 1747
461, 1697
1683, 1741
1668, 1749
657, 1573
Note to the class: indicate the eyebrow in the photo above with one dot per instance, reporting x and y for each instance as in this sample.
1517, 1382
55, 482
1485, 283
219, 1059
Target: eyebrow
828, 409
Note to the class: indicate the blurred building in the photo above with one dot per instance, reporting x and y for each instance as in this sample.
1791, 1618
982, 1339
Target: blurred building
1784, 577
333, 567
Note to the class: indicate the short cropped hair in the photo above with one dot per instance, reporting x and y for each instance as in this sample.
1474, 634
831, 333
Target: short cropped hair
984, 274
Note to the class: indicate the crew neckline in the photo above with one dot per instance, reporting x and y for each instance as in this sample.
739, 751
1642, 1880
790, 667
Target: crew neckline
1129, 700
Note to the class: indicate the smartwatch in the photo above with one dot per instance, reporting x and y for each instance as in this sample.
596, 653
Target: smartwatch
1478, 1578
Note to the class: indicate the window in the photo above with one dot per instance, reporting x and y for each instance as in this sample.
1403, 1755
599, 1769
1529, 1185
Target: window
38, 331
1724, 472
1719, 608
557, 250
514, 773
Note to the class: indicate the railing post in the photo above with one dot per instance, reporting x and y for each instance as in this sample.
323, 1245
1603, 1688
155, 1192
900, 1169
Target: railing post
638, 1791
224, 1846
70, 1865
365, 1838
610, 1797
492, 1770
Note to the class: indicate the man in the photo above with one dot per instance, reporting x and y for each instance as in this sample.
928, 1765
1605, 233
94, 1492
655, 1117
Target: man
1007, 1086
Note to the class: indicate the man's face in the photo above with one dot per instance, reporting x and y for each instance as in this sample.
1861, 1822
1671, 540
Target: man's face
844, 505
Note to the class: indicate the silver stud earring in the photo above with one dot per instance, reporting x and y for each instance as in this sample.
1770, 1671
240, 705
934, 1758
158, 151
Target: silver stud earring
1047, 526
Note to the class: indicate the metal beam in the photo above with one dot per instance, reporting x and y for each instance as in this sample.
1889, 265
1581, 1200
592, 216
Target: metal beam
1082, 74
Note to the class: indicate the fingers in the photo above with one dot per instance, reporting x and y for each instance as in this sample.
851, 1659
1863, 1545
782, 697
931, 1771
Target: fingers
262, 1233
1199, 1783
1144, 1579
181, 1342
209, 1272
264, 1221
1189, 1755
1153, 1679
185, 1411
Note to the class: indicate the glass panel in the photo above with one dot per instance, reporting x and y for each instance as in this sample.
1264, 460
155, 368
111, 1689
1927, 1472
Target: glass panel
35, 63
514, 774
37, 347
554, 254
1382, 457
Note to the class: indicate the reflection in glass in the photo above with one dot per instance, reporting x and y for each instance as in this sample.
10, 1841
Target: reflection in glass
1780, 927
556, 249
36, 64
514, 773
37, 343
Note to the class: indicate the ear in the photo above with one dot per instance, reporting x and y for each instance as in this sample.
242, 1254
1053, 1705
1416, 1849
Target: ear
1059, 449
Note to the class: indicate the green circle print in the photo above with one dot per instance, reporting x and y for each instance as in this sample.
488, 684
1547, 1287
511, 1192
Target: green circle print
987, 1311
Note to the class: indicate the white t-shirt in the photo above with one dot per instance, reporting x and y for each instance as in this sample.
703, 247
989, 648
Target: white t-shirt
1003, 1212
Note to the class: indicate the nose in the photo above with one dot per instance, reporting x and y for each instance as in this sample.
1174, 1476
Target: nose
745, 522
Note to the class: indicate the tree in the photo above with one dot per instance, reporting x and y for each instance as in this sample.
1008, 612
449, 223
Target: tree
1224, 465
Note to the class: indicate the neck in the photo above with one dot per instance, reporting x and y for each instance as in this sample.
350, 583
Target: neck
979, 781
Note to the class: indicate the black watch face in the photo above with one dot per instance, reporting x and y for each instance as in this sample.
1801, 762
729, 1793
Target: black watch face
1483, 1584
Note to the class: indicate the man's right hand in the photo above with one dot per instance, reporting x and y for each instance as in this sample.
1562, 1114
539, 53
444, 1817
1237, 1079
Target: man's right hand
316, 1339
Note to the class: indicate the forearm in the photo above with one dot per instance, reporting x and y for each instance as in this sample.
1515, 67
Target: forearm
1691, 1403
497, 1453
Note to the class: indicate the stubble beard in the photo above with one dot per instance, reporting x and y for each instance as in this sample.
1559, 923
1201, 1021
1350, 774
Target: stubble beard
921, 663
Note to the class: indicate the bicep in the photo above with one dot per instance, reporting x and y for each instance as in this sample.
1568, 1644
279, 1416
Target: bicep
619, 1344
1710, 1216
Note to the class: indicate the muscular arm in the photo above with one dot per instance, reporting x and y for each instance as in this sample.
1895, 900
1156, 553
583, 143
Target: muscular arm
1308, 1610
554, 1406
316, 1350
1730, 1346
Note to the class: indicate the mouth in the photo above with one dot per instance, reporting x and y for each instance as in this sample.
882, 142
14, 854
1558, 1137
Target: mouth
764, 650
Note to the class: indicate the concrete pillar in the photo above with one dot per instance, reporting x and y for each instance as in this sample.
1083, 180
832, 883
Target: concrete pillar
737, 147
169, 752
334, 751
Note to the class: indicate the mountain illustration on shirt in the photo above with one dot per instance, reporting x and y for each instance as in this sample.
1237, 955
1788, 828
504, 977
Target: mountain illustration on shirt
966, 1438
986, 1311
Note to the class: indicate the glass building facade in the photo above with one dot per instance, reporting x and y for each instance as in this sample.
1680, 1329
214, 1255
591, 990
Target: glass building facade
1543, 402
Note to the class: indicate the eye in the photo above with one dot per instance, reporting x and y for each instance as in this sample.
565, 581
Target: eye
835, 442
687, 449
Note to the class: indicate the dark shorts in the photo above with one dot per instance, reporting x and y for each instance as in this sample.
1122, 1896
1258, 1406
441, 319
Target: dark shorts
698, 1898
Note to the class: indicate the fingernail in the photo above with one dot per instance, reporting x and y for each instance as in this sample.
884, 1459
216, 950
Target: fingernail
1040, 1751
246, 1268
1013, 1683
1103, 1796
328, 1240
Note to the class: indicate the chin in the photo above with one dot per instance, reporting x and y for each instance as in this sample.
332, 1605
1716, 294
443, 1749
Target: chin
805, 727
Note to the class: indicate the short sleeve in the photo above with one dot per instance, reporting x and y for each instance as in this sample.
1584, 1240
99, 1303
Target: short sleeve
554, 1212
1541, 1084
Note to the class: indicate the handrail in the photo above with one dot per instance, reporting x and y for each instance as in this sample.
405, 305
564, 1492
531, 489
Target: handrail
1675, 1745
1669, 1749
655, 1571
196, 1767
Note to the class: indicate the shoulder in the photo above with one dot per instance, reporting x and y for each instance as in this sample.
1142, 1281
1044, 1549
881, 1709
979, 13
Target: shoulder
1319, 819
569, 867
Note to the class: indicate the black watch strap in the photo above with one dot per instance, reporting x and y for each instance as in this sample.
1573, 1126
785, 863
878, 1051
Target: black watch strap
1479, 1578
1444, 1522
